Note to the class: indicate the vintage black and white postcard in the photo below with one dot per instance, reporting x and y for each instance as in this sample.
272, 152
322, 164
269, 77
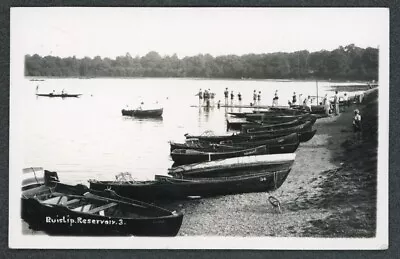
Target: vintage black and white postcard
199, 128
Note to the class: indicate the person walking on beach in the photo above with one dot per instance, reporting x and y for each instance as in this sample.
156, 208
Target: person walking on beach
254, 97
357, 125
232, 96
259, 97
336, 103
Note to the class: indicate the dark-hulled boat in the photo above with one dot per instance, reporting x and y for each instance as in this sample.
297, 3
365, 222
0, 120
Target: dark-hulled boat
284, 144
60, 209
304, 135
292, 125
59, 95
315, 109
190, 156
165, 187
236, 166
143, 113
305, 126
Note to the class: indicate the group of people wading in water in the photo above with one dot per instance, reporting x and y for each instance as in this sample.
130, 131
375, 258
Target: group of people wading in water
297, 100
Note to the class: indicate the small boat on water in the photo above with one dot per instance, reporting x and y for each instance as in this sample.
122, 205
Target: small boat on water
59, 95
169, 188
61, 209
236, 166
143, 113
190, 156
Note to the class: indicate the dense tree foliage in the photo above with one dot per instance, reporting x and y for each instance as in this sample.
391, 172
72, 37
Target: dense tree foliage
348, 62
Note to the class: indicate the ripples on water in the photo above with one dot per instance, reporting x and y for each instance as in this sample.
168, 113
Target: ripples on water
87, 137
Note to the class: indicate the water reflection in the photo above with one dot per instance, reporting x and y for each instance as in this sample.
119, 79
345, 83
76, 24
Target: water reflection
143, 119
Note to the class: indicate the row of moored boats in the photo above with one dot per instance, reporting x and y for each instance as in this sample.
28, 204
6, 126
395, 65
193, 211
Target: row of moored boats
257, 159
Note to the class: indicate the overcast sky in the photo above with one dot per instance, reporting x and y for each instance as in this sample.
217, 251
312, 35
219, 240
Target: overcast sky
110, 32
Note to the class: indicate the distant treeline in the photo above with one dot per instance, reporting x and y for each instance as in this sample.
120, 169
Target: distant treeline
350, 62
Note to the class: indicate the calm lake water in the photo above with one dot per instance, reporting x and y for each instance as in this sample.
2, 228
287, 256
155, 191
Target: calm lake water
87, 137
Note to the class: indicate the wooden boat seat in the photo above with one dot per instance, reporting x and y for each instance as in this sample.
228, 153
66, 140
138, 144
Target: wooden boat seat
101, 208
84, 208
56, 200
70, 202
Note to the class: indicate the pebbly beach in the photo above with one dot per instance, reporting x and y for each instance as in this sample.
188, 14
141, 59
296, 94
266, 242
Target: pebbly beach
330, 192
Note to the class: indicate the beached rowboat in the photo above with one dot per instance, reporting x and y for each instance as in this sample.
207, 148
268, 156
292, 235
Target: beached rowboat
60, 209
189, 156
236, 166
168, 188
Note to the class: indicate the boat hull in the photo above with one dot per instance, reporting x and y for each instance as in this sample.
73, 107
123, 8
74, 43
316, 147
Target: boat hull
143, 113
60, 95
106, 214
190, 156
171, 188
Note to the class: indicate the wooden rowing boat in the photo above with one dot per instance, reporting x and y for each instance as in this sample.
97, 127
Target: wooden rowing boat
59, 95
169, 188
143, 113
190, 156
236, 166
60, 209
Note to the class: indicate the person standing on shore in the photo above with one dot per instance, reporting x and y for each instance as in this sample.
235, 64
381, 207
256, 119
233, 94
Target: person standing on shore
254, 97
326, 104
345, 103
336, 103
259, 97
300, 99
307, 103
357, 125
